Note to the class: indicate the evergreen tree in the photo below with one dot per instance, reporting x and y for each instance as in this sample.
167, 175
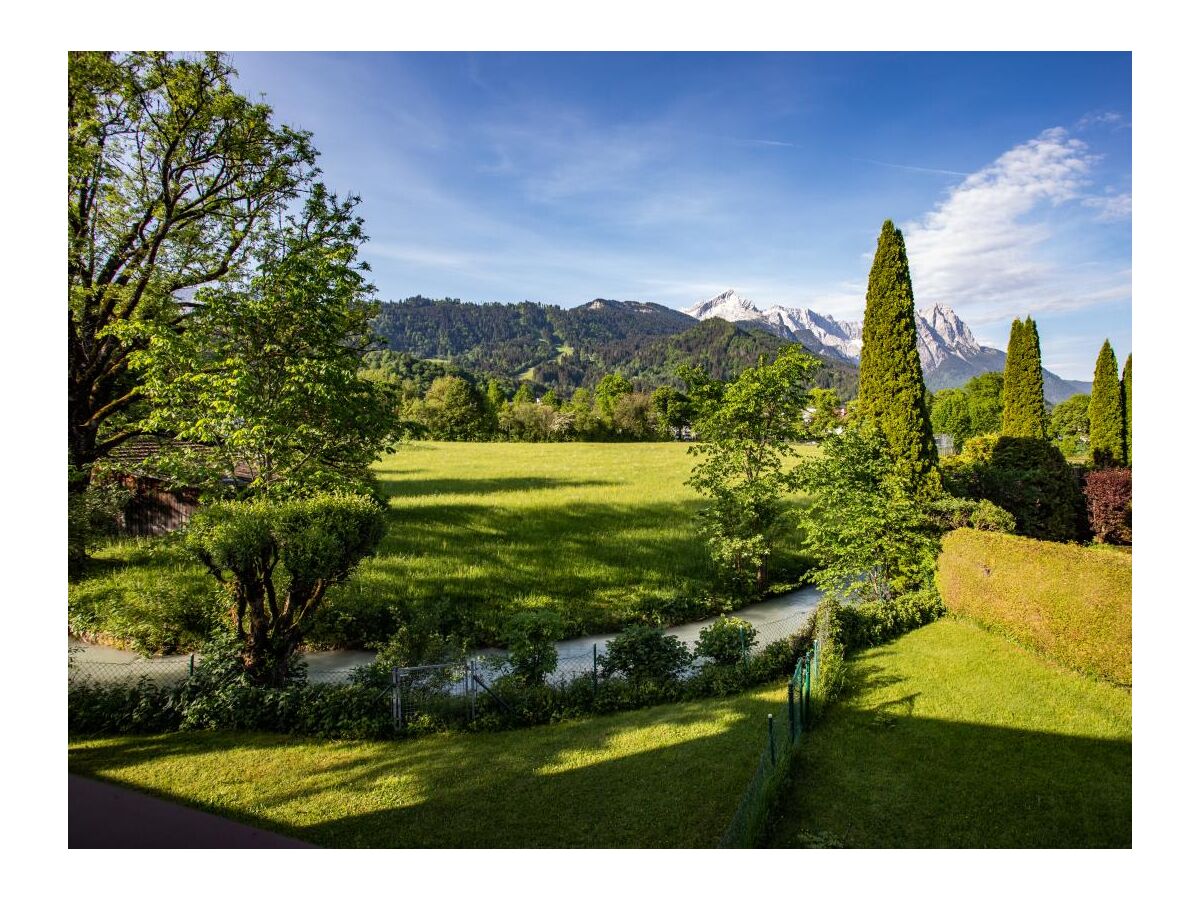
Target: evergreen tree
891, 391
1127, 394
1024, 395
1105, 412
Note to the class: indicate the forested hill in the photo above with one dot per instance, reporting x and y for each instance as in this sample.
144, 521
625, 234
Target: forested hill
570, 348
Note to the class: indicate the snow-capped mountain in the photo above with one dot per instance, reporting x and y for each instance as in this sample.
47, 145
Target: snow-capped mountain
950, 354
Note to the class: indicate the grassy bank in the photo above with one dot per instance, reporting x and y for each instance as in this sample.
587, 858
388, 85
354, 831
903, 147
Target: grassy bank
602, 532
1074, 603
670, 776
954, 737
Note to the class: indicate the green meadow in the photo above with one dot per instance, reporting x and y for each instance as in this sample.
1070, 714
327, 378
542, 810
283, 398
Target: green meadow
603, 533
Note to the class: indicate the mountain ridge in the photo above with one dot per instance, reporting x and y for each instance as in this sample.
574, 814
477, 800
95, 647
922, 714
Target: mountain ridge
950, 354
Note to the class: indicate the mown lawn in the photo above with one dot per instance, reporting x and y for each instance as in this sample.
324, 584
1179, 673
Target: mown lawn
668, 776
954, 737
602, 532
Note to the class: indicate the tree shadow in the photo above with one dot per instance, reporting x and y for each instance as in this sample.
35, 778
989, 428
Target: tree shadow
540, 787
478, 487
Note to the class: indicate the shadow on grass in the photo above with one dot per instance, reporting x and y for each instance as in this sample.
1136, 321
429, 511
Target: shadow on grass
596, 782
880, 776
476, 487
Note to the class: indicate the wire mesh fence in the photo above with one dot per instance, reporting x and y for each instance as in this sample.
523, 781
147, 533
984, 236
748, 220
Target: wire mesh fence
785, 728
436, 694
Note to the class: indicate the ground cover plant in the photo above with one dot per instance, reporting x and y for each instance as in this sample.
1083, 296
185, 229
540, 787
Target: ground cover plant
954, 737
1070, 602
669, 776
476, 533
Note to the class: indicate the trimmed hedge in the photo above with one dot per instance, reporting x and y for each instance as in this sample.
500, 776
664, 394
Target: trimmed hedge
1070, 602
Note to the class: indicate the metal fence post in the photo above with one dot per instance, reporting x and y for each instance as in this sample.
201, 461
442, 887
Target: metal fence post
791, 711
742, 638
191, 665
771, 735
397, 700
471, 687
595, 673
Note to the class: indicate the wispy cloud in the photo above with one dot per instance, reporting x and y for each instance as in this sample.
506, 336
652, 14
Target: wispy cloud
993, 247
763, 142
928, 171
1111, 207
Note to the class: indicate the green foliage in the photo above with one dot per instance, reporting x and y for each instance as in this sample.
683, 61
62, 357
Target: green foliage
172, 178
277, 560
1072, 603
1024, 398
1027, 477
530, 640
1069, 423
453, 409
746, 429
1127, 395
959, 512
951, 414
644, 653
1106, 412
870, 537
891, 392
266, 374
727, 641
92, 514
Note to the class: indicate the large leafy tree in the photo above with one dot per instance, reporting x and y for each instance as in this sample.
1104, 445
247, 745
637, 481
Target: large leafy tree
1024, 394
951, 414
1105, 412
870, 536
171, 177
265, 378
277, 561
1127, 395
891, 392
1068, 427
746, 430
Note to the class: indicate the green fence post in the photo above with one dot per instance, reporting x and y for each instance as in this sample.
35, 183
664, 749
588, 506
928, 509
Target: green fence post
595, 675
771, 735
191, 665
791, 712
808, 687
742, 638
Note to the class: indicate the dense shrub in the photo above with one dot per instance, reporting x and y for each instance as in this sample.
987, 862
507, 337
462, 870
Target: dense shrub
91, 517
531, 651
873, 622
1073, 603
1109, 494
959, 512
727, 641
641, 653
1027, 477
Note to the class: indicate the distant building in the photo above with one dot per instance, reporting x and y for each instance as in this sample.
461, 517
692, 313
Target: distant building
945, 444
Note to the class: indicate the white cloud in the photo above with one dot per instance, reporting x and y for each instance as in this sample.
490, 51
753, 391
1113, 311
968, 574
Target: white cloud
1111, 207
995, 247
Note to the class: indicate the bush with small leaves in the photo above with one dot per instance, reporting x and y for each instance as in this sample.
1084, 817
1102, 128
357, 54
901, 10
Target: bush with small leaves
1109, 494
642, 653
727, 641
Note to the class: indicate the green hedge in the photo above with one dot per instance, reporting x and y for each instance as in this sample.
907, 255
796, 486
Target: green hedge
1071, 602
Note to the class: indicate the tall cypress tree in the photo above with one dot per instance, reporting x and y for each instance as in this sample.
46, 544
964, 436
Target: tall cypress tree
891, 391
1127, 395
1105, 411
1024, 393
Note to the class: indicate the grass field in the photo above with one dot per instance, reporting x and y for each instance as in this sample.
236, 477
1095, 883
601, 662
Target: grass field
669, 776
954, 737
477, 531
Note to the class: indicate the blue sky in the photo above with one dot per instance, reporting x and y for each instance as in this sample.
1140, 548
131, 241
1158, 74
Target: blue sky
671, 177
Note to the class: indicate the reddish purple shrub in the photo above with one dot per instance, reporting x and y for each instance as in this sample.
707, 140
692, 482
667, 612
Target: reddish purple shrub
1109, 494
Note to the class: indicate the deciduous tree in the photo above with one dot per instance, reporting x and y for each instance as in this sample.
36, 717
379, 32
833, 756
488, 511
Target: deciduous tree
171, 178
746, 429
